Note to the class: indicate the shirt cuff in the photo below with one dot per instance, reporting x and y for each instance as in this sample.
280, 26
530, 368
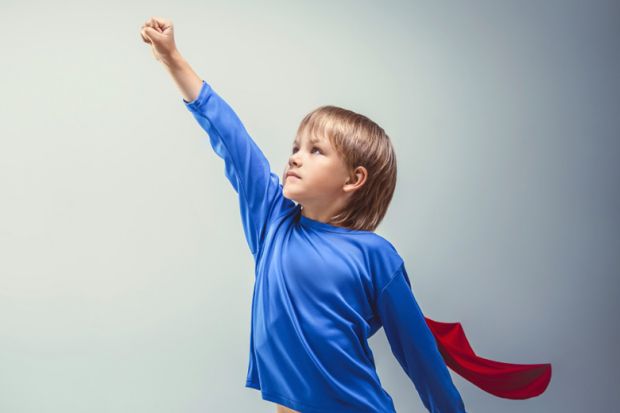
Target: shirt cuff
202, 96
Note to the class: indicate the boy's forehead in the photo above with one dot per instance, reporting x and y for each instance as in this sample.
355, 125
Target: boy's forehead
313, 139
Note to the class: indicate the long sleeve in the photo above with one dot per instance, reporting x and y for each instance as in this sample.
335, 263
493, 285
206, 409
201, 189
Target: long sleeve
414, 346
246, 167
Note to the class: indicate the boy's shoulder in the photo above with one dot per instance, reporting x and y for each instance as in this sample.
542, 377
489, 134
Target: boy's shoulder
384, 257
381, 244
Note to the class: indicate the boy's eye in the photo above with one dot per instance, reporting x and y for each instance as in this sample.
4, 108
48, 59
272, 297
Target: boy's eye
313, 148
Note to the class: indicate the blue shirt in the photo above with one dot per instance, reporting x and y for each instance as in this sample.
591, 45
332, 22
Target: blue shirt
320, 291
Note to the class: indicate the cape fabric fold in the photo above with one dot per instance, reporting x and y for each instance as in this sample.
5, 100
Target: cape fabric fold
507, 380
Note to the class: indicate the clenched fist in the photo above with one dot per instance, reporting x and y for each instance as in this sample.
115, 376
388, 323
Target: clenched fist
159, 33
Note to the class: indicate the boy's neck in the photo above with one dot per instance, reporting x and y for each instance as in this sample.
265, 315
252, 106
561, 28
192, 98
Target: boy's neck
324, 216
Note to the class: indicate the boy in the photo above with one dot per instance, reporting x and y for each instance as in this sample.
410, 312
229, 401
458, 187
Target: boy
324, 282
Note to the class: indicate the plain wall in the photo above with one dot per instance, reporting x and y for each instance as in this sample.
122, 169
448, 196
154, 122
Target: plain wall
125, 278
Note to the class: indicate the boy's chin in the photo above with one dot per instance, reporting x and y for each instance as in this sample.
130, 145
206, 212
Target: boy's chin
288, 195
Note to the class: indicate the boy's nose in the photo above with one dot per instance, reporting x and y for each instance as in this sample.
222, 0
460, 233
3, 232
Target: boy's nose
293, 160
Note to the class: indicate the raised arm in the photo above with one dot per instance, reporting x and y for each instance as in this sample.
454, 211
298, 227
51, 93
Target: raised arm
159, 34
414, 346
246, 167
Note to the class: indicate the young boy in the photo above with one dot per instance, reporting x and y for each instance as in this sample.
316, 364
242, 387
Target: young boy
324, 281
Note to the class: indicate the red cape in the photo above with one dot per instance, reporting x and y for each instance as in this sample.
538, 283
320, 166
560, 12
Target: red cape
510, 381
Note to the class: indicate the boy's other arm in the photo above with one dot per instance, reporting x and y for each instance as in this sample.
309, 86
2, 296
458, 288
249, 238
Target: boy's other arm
415, 348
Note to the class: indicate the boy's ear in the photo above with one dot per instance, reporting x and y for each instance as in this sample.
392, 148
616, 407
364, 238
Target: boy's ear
357, 178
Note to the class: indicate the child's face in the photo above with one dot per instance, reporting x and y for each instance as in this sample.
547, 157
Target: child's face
322, 172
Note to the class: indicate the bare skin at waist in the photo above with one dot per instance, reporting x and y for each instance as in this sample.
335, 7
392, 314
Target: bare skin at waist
283, 409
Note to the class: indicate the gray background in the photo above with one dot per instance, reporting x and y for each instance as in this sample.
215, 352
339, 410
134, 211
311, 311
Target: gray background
125, 280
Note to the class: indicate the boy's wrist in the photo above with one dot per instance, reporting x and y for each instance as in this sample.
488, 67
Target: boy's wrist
174, 60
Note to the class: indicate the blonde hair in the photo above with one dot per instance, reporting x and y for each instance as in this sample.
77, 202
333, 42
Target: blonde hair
360, 142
